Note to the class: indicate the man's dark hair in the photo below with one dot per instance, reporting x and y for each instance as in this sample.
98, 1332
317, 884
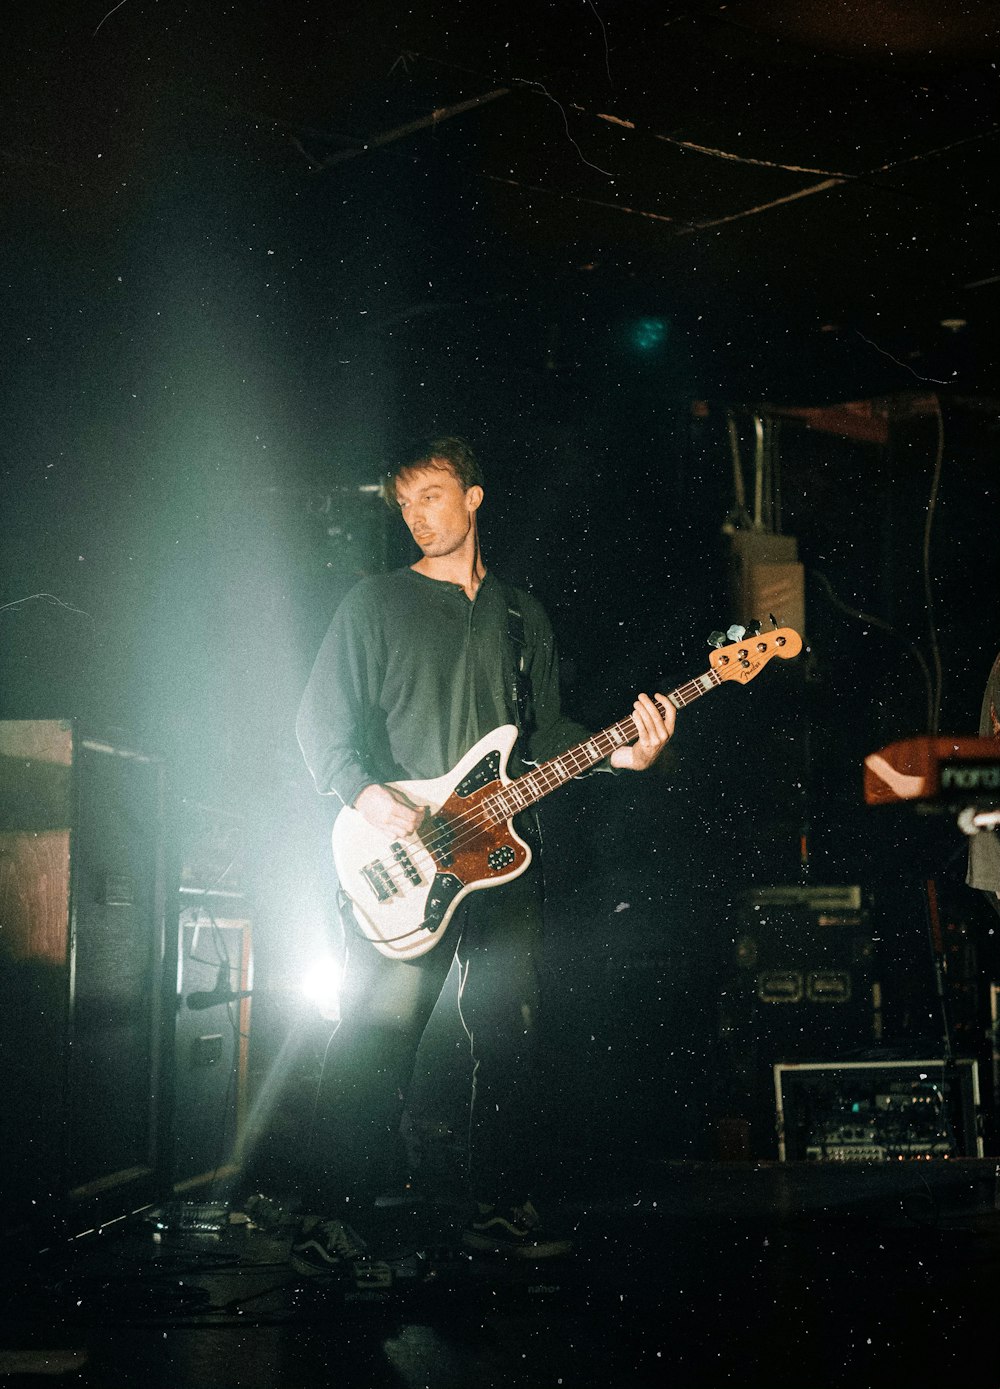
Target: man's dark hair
428, 453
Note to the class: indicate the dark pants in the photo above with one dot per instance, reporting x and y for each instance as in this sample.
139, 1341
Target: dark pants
386, 1004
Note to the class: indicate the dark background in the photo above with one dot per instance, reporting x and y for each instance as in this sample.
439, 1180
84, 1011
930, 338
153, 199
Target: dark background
243, 264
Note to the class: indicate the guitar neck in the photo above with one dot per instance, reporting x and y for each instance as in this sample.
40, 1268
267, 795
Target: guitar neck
526, 790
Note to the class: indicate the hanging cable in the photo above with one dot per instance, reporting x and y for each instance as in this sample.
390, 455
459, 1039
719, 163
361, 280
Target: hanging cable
884, 626
935, 711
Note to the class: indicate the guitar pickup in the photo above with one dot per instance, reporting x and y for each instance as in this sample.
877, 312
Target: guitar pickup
402, 857
377, 877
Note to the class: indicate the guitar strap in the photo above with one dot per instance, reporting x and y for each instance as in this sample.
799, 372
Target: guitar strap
521, 698
520, 679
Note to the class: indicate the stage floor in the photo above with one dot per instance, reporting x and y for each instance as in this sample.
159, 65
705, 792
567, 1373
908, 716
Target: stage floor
773, 1275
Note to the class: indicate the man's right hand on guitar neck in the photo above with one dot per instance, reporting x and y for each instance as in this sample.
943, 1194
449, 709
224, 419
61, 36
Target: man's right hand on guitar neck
389, 811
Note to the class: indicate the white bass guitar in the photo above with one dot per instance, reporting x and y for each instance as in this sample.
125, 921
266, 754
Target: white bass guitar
405, 891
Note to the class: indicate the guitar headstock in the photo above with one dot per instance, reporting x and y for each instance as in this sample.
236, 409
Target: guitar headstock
742, 660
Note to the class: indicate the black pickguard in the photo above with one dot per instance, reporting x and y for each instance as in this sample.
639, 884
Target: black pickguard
482, 774
442, 894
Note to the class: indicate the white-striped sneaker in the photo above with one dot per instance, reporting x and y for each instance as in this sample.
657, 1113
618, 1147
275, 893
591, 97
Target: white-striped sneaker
325, 1246
512, 1232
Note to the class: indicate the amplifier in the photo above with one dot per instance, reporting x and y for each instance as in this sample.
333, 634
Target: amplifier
802, 980
815, 899
877, 1111
85, 974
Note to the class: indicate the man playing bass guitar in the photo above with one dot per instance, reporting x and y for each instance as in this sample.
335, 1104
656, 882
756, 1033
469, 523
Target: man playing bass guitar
417, 666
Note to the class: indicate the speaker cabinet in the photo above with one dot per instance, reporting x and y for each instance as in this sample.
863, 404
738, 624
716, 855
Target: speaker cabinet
215, 973
801, 986
83, 962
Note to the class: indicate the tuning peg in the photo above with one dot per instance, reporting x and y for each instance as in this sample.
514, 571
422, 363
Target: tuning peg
753, 628
774, 621
717, 639
736, 632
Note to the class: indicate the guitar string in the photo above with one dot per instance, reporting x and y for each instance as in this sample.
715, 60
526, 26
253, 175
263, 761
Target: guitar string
501, 799
683, 695
499, 806
492, 810
496, 808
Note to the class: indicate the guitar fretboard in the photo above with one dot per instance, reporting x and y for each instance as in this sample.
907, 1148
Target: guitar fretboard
526, 790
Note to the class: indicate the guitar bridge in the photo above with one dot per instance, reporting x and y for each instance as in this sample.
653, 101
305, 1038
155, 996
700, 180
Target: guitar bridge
376, 875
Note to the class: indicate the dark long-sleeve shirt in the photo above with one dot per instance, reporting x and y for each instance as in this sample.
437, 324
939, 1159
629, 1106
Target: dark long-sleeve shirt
412, 673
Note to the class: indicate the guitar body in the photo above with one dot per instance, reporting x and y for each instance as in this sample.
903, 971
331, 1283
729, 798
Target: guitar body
405, 892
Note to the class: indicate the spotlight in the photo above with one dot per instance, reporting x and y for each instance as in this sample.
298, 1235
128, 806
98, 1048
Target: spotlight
321, 986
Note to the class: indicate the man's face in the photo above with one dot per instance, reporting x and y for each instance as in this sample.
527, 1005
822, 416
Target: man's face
437, 508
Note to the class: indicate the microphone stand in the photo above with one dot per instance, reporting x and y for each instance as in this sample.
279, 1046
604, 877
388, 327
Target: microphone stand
949, 1072
220, 994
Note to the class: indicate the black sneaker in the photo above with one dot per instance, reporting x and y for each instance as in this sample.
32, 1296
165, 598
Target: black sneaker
512, 1232
325, 1246
266, 1214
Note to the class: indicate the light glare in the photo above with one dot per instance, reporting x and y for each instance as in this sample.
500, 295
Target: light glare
321, 985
